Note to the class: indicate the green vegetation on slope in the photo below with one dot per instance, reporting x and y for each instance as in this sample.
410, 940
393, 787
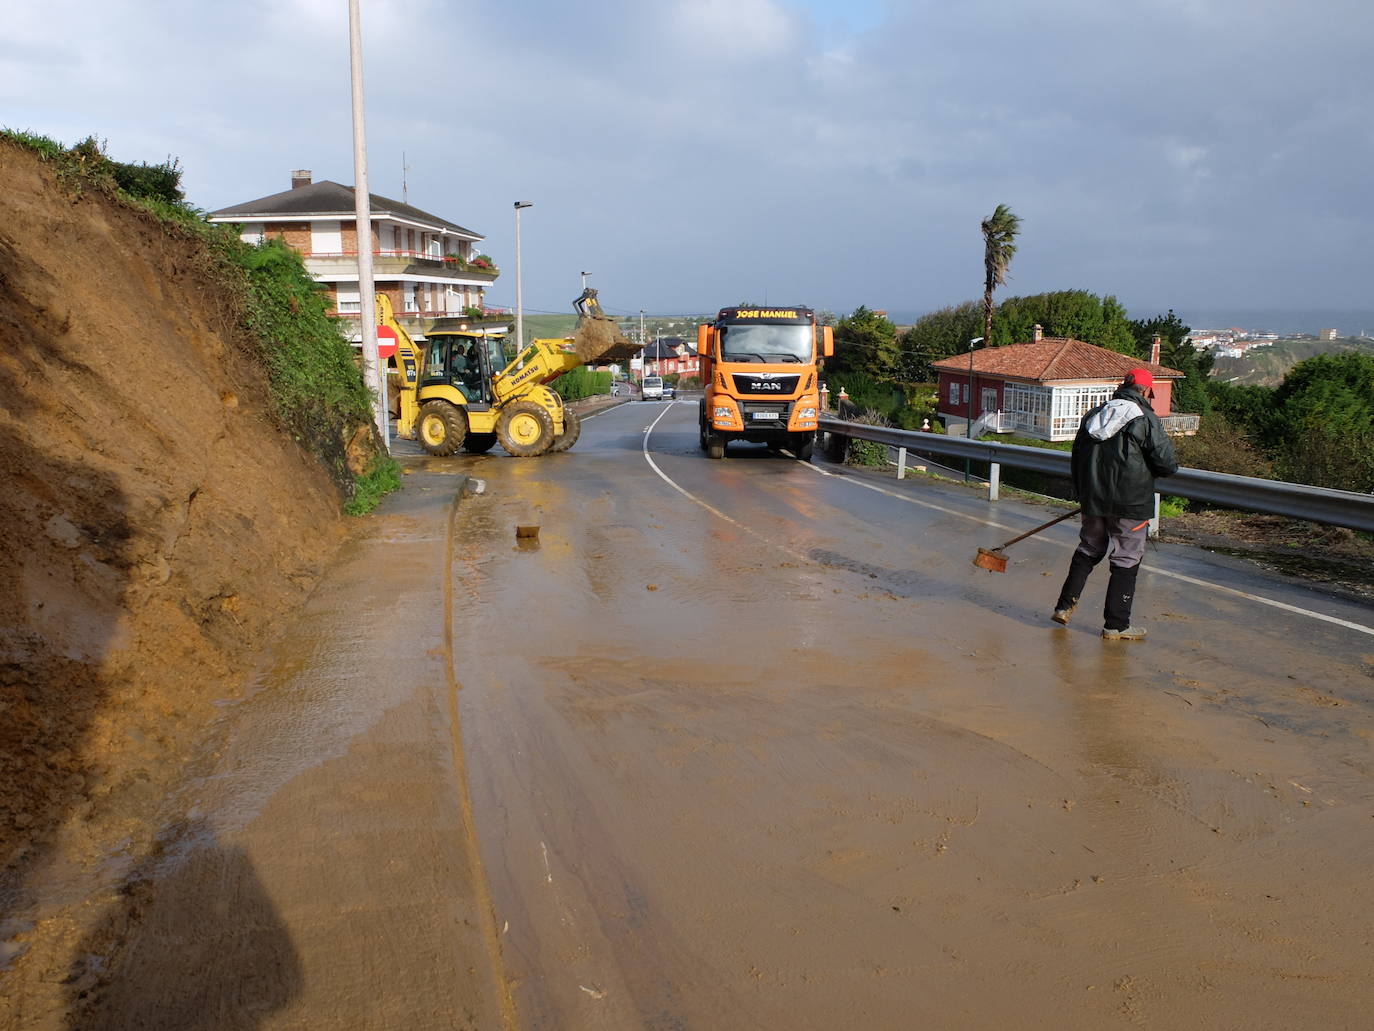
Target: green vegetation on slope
316, 388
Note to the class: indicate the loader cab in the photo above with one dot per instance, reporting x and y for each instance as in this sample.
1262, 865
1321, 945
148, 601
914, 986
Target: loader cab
465, 361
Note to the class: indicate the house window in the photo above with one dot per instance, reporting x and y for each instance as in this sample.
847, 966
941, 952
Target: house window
350, 301
1029, 407
1070, 404
326, 238
954, 393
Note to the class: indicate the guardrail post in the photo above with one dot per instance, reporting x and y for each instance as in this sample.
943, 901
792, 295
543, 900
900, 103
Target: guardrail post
994, 480
901, 463
1153, 531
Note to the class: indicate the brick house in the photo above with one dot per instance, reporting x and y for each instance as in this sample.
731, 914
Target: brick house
430, 267
1043, 388
671, 356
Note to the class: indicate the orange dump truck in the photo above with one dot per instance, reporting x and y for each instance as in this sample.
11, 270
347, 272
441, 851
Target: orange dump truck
758, 367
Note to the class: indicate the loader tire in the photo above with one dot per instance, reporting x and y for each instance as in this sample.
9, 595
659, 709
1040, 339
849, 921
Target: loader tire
572, 429
479, 443
525, 429
443, 426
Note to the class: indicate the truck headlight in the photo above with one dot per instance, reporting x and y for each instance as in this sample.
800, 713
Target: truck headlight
806, 413
723, 412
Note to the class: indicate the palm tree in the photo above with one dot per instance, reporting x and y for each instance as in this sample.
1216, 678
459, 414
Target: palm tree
999, 232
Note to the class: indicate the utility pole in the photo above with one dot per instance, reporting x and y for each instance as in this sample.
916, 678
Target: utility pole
642, 344
374, 377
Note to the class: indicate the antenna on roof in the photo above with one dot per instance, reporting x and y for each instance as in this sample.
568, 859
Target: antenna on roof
405, 188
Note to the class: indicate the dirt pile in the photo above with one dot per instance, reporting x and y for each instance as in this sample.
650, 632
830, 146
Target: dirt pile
598, 338
154, 525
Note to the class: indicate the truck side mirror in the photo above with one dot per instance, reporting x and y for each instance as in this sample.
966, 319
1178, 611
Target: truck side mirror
827, 341
706, 337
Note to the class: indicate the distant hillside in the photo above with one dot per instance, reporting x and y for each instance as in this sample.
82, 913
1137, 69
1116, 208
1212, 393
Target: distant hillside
1266, 366
684, 326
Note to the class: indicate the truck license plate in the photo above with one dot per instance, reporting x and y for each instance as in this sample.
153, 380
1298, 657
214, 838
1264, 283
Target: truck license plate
765, 415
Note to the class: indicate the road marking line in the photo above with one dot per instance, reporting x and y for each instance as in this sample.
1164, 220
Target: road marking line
1259, 599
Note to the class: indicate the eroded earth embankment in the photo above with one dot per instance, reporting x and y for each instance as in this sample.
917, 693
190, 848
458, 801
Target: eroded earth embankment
154, 527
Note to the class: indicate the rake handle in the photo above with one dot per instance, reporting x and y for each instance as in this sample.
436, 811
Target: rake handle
1042, 526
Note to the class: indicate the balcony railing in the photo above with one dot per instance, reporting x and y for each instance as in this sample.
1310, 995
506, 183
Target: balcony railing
1181, 425
387, 261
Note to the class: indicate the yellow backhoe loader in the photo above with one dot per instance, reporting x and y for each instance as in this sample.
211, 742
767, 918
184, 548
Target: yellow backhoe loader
461, 390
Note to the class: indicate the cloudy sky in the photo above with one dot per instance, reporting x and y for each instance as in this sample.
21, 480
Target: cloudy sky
697, 153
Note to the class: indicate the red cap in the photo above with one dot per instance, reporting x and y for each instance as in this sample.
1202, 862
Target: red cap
1140, 378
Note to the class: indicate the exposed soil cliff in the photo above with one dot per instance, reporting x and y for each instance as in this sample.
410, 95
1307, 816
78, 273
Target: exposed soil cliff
154, 524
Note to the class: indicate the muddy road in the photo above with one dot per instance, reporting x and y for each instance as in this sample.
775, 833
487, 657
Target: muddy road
752, 744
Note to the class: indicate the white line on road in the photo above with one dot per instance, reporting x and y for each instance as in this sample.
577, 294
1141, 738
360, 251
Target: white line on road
1218, 588
1259, 599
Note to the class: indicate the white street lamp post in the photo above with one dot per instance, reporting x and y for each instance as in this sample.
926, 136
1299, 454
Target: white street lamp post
519, 295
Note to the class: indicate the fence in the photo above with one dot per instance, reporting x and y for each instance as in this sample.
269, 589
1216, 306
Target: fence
1294, 500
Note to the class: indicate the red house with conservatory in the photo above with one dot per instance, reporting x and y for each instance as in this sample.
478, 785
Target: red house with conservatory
1043, 388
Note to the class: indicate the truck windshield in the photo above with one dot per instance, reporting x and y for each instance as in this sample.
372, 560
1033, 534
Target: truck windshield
762, 343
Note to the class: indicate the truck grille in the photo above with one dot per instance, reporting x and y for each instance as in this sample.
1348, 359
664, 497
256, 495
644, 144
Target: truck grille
779, 384
766, 413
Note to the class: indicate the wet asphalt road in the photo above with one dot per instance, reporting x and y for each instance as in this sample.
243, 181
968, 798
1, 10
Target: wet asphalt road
752, 744
745, 744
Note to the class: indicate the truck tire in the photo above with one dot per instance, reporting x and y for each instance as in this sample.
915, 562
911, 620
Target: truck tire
525, 429
443, 426
572, 429
479, 443
805, 446
715, 446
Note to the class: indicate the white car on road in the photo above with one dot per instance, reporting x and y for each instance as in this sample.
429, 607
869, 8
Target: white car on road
653, 388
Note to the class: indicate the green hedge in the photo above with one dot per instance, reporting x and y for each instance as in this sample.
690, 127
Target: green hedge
582, 382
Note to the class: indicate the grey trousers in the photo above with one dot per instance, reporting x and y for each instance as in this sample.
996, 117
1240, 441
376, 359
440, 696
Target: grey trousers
1126, 536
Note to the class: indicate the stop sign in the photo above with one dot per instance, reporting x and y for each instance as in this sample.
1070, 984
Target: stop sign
386, 341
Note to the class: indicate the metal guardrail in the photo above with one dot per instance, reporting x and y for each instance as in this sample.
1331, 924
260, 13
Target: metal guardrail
1294, 500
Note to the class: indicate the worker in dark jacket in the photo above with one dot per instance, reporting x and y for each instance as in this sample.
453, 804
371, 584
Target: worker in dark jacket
1120, 448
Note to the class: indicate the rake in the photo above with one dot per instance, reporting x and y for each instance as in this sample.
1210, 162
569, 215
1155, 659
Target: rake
994, 561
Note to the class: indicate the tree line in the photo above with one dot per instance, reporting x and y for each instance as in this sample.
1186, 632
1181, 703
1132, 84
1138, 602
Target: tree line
1316, 427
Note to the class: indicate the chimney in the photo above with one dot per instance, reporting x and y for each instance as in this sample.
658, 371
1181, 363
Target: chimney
300, 177
1154, 349
1038, 333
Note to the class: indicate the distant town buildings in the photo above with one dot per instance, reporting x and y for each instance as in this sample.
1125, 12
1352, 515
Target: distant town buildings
1230, 343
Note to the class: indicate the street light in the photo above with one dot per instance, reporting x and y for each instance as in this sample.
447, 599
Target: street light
968, 426
519, 296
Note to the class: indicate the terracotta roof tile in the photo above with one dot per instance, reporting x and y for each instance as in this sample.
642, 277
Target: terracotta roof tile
1053, 359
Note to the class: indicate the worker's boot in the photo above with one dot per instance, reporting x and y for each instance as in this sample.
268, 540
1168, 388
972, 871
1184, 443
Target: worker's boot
1079, 568
1116, 614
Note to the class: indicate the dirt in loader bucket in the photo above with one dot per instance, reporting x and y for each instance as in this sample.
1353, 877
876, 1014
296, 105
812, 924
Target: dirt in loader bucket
599, 339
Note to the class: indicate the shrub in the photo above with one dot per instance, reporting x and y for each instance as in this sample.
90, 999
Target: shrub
1171, 507
582, 382
868, 452
382, 477
1220, 446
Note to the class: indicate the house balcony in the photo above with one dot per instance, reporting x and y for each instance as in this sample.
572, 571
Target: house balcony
421, 323
395, 264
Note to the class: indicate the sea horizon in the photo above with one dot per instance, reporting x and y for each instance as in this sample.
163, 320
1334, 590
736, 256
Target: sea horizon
1348, 322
